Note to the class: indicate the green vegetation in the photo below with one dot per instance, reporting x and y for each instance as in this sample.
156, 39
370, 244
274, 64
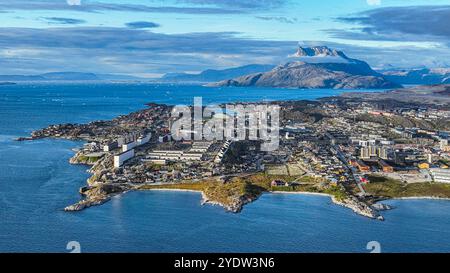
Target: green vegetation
238, 190
228, 194
93, 178
385, 187
251, 187
87, 160
153, 167
338, 192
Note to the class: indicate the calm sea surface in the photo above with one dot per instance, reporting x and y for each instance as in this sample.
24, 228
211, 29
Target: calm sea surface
37, 182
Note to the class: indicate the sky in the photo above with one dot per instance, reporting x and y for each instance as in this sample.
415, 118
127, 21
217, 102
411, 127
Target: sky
148, 38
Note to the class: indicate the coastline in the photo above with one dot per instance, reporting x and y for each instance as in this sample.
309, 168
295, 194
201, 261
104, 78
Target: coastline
393, 198
100, 187
97, 195
179, 190
302, 192
370, 211
354, 205
277, 214
418, 198
203, 201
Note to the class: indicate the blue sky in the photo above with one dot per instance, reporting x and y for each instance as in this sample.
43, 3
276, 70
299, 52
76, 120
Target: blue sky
153, 37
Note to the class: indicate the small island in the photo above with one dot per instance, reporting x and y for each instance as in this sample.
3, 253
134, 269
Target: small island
359, 150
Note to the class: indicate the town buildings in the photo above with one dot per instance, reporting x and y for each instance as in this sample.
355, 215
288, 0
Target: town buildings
122, 157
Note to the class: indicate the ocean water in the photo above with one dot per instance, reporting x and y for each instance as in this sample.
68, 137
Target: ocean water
37, 182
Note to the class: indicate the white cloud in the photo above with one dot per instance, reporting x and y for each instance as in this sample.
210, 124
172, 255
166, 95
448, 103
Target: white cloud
373, 2
21, 52
74, 2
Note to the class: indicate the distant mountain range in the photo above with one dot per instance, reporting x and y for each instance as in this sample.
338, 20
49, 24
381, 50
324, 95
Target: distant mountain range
316, 67
312, 67
212, 75
419, 76
65, 76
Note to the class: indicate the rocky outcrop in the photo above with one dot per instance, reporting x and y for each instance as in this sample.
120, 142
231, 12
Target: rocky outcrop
80, 158
97, 195
381, 206
358, 207
83, 204
235, 205
350, 202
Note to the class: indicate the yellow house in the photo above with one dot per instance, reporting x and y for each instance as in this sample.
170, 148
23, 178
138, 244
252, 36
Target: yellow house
333, 182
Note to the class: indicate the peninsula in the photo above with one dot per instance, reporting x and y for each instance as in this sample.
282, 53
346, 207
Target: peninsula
357, 149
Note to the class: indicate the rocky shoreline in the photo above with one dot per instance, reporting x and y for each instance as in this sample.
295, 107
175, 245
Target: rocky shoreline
356, 206
107, 181
96, 194
235, 207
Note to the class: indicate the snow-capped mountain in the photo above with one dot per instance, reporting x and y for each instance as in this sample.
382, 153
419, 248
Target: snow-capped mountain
319, 54
318, 51
419, 76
